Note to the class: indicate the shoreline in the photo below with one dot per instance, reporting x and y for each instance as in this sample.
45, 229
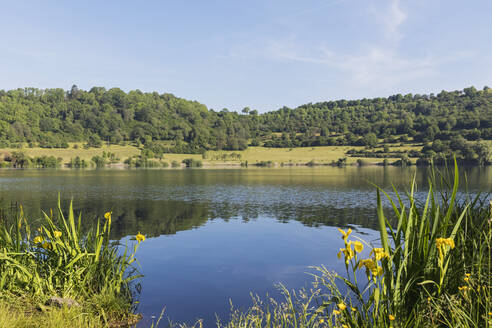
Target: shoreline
231, 166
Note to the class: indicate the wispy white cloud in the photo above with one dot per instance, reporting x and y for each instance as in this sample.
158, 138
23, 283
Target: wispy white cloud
377, 66
392, 18
380, 65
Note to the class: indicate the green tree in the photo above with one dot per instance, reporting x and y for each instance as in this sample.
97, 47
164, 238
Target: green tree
370, 140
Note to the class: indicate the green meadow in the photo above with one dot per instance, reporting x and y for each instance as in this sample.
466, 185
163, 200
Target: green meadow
321, 155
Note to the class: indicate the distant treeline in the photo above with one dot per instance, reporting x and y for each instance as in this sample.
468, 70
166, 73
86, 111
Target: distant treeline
164, 123
19, 160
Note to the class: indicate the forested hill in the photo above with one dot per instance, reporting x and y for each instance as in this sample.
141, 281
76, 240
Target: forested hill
54, 117
425, 117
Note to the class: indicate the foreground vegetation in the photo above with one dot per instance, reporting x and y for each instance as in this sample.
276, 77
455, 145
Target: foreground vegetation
56, 276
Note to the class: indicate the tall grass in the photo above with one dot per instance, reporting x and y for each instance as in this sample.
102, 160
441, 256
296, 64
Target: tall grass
431, 268
57, 259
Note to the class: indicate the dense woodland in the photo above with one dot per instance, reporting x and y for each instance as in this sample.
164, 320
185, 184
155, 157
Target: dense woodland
447, 122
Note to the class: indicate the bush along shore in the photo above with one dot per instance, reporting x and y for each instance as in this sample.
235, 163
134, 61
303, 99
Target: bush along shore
57, 276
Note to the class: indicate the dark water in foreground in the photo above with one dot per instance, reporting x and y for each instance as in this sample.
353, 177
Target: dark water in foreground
216, 235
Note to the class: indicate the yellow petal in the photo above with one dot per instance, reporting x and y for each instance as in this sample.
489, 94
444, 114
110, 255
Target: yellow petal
358, 246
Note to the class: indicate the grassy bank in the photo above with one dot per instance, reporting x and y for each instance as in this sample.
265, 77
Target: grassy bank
278, 156
382, 153
322, 155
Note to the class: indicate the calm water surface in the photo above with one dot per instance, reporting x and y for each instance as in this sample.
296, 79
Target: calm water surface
216, 235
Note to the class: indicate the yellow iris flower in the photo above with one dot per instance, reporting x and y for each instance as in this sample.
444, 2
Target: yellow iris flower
342, 306
345, 235
358, 246
379, 253
440, 242
368, 263
139, 237
371, 266
348, 252
442, 245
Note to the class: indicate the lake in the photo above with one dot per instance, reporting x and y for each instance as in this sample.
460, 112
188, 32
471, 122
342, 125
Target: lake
215, 235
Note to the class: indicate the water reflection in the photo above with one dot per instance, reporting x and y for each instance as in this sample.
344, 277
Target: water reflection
165, 202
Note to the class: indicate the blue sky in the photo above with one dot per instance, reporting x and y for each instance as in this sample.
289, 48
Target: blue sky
258, 53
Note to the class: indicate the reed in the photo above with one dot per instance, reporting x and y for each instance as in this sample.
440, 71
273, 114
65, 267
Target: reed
58, 259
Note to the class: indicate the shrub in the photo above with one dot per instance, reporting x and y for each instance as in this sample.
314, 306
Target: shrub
99, 161
341, 162
141, 162
190, 162
311, 163
47, 162
77, 163
93, 141
264, 163
361, 162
